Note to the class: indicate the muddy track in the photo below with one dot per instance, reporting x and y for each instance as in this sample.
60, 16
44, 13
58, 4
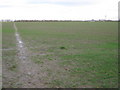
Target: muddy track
30, 74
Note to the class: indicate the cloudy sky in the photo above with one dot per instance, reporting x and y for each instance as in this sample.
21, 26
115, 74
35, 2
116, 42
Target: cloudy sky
59, 9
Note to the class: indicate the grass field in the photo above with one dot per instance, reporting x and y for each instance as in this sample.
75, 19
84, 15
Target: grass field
69, 54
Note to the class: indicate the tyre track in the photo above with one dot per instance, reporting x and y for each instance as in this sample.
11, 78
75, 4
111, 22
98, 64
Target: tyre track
29, 73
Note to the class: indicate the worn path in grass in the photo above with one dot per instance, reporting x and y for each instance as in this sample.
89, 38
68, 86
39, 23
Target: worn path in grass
29, 76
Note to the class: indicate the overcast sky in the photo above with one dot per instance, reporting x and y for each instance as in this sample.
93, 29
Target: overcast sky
59, 9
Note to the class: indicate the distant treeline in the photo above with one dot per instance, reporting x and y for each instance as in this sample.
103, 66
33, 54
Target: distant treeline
41, 20
58, 20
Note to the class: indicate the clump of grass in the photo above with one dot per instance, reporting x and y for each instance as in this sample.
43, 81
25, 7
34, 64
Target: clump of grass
56, 83
50, 59
37, 59
62, 47
13, 67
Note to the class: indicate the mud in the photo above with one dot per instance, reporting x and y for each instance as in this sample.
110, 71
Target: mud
30, 73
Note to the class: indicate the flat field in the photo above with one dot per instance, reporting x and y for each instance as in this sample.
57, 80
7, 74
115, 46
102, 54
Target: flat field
61, 55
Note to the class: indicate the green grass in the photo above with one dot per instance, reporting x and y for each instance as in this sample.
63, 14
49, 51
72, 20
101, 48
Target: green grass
8, 42
8, 37
88, 49
9, 52
86, 53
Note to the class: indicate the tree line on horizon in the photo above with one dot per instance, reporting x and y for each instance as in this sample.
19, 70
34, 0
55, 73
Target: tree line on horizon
8, 20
